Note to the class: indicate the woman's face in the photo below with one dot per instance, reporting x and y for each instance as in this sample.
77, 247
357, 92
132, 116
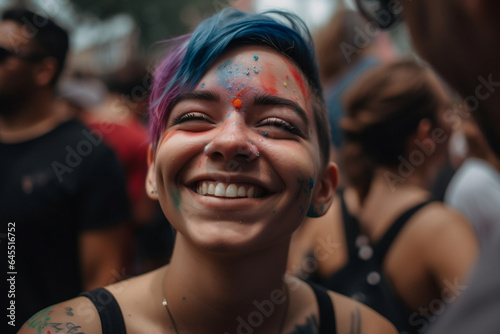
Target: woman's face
238, 164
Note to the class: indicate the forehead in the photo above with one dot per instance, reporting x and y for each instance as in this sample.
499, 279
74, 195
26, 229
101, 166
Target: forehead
259, 69
16, 37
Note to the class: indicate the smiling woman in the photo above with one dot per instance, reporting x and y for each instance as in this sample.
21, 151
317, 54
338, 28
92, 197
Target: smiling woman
240, 156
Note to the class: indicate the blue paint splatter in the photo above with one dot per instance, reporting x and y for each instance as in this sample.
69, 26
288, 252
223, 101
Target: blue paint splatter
228, 114
265, 134
202, 85
255, 71
312, 212
311, 183
176, 197
295, 111
256, 58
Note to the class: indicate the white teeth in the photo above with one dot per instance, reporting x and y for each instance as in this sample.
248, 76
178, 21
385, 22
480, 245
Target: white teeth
231, 190
226, 190
250, 191
219, 190
211, 189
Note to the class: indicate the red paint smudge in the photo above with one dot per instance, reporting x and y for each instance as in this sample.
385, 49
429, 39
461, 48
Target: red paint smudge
48, 332
268, 81
299, 81
166, 136
236, 103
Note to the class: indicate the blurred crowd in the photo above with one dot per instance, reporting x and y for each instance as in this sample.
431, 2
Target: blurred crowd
418, 187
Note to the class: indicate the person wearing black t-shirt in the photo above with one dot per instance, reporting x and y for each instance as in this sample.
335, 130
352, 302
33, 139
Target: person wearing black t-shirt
62, 192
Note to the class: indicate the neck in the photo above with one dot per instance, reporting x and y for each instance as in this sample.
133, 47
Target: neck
222, 291
37, 115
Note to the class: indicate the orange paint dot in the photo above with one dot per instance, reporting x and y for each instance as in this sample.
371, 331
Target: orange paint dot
236, 103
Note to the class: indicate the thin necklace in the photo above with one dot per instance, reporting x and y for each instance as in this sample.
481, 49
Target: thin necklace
165, 304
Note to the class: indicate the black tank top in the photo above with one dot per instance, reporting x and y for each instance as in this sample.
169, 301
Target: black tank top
112, 319
362, 277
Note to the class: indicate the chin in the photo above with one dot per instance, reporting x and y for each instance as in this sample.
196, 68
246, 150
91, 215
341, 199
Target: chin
227, 237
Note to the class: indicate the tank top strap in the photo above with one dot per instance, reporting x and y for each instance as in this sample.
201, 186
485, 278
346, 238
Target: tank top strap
351, 227
386, 241
327, 321
109, 311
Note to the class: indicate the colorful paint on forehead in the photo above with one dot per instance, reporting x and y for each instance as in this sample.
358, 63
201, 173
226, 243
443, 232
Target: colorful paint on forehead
236, 102
268, 80
299, 81
224, 73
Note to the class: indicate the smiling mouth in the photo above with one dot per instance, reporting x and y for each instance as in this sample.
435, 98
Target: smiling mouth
228, 190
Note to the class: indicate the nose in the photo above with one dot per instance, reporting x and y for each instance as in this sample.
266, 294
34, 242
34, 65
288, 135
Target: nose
232, 142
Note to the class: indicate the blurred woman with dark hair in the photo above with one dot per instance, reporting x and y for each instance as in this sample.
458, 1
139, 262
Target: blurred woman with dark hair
391, 247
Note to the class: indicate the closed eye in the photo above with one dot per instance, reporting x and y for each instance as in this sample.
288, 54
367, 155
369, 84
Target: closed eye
192, 116
280, 123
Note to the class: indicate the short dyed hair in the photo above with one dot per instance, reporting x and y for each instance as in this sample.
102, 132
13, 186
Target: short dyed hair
184, 66
50, 38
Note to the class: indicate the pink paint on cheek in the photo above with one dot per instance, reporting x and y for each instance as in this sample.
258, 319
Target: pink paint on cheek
166, 136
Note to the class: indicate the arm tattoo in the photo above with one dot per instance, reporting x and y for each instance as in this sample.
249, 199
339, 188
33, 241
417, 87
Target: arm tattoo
356, 321
310, 327
40, 319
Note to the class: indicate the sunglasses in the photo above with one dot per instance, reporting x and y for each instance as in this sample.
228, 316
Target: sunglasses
5, 53
383, 13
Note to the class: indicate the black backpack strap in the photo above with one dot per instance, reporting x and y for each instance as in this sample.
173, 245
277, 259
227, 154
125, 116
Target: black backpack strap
351, 227
109, 311
327, 323
386, 241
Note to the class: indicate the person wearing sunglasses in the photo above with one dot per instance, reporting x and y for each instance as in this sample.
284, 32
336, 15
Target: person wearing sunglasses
62, 192
459, 38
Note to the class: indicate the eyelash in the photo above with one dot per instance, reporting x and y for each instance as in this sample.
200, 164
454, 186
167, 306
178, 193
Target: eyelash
280, 123
188, 117
276, 122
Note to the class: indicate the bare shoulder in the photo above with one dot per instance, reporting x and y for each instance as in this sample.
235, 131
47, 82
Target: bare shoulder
355, 318
75, 316
441, 217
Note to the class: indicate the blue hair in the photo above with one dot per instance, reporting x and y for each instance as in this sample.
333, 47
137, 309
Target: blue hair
281, 31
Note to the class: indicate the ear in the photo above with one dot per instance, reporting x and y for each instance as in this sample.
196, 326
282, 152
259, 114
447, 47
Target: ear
325, 191
45, 71
151, 188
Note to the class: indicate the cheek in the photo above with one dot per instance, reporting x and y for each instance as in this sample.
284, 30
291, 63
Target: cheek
175, 151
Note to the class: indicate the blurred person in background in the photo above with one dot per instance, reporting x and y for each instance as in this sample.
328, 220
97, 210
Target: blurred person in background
394, 249
60, 186
345, 48
121, 117
474, 190
459, 38
239, 156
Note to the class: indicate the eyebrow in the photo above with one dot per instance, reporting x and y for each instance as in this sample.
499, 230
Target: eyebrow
273, 100
198, 95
